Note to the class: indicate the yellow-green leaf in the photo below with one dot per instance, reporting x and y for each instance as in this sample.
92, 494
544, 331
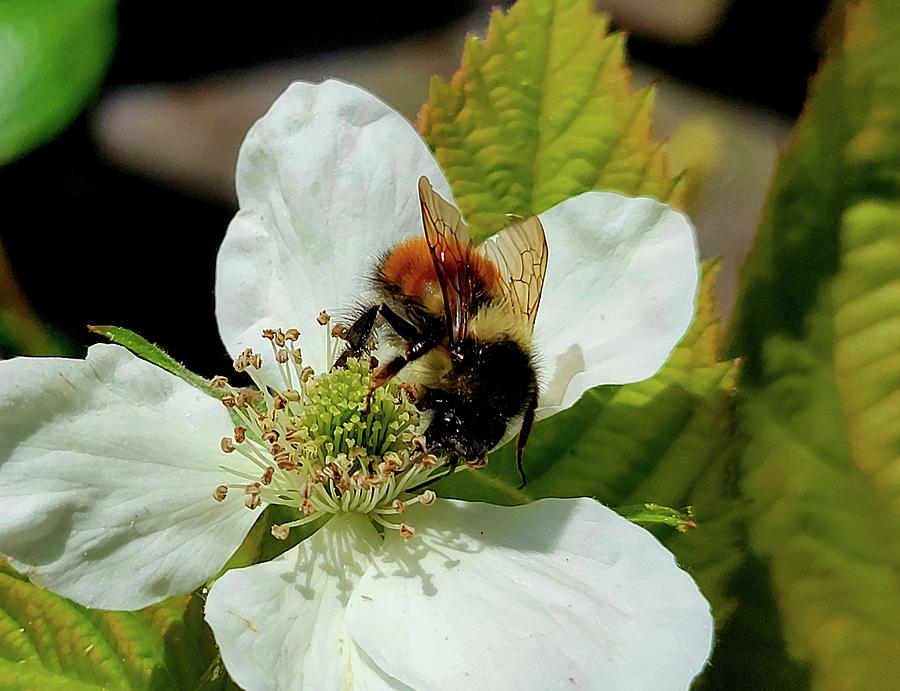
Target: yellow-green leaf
48, 642
540, 111
819, 327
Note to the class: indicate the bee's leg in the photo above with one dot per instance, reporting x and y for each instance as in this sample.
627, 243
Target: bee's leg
527, 423
392, 367
384, 374
358, 336
403, 328
388, 371
360, 331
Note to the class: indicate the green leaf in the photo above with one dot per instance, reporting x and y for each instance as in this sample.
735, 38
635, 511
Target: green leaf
52, 58
151, 352
48, 642
819, 328
540, 111
749, 652
667, 440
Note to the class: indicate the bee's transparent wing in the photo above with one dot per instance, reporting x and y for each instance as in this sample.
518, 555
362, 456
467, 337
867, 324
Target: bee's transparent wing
520, 254
451, 251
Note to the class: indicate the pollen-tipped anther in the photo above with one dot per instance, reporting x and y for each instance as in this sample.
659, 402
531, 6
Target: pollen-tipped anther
251, 495
323, 318
409, 391
244, 360
226, 445
427, 498
333, 472
388, 466
220, 493
280, 532
359, 479
407, 531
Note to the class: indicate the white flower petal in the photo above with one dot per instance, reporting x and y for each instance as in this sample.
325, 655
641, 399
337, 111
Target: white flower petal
280, 625
619, 293
107, 468
554, 594
326, 180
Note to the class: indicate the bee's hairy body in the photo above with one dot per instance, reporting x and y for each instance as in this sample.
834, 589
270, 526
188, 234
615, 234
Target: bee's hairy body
462, 319
473, 388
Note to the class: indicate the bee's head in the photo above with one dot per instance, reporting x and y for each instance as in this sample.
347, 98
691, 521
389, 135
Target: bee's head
461, 428
459, 445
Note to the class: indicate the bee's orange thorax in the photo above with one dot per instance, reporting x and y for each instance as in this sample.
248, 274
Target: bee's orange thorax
409, 267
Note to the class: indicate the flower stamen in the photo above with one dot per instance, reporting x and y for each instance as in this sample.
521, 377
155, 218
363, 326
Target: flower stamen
327, 444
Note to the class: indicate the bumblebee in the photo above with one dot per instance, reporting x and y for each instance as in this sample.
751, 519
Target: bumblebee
462, 319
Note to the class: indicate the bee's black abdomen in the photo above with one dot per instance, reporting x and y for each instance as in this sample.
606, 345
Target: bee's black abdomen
461, 428
498, 381
503, 376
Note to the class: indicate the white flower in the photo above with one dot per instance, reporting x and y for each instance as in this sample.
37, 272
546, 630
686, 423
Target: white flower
107, 464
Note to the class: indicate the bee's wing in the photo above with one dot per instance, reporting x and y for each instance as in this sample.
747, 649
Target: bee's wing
451, 250
520, 254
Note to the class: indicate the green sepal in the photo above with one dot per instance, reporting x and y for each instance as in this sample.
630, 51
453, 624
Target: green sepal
650, 512
151, 352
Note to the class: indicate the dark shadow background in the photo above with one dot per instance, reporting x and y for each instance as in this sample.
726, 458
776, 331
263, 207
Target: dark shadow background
93, 244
